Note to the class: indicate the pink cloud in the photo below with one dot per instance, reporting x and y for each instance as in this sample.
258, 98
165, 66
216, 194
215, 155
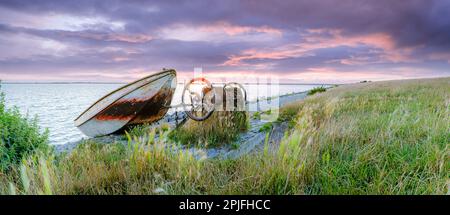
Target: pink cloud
120, 59
440, 56
132, 38
236, 29
331, 75
328, 38
219, 31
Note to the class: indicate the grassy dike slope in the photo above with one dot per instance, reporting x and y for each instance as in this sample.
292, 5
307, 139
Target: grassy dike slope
371, 138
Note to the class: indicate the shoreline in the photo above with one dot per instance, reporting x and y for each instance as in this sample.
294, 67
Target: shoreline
247, 141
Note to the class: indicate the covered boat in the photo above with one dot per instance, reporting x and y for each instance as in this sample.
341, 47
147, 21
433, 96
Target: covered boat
144, 101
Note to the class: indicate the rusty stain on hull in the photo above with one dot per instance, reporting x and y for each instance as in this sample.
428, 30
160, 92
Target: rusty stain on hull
121, 111
155, 108
140, 110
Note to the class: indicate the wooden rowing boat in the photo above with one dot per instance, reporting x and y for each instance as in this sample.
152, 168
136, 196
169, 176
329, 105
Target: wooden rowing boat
146, 100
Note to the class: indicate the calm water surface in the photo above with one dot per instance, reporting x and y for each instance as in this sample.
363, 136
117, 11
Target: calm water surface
57, 105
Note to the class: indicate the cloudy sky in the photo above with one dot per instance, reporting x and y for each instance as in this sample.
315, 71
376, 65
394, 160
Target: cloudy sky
297, 41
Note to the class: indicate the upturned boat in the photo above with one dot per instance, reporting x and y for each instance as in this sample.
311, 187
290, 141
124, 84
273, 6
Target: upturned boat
146, 100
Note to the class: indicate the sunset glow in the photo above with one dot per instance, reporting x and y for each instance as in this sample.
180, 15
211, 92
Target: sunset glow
300, 41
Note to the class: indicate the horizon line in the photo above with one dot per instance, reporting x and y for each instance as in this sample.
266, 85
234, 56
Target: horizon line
96, 82
286, 83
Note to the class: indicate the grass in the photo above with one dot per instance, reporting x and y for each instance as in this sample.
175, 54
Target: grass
139, 130
256, 116
266, 127
222, 127
19, 136
371, 138
316, 90
145, 132
289, 114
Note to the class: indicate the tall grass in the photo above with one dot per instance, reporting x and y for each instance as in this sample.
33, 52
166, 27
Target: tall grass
222, 127
377, 138
382, 138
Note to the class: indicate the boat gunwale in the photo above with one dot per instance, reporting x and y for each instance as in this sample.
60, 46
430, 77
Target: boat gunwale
169, 72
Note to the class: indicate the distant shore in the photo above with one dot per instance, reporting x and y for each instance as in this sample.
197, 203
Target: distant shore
77, 82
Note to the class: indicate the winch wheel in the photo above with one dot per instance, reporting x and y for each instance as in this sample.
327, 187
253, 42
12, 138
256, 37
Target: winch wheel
201, 101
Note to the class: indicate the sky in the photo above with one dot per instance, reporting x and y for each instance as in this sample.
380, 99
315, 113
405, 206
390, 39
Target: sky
322, 41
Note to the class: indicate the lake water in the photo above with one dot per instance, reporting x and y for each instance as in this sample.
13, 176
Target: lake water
57, 105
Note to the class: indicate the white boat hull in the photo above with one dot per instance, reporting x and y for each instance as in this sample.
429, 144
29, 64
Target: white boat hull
143, 101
